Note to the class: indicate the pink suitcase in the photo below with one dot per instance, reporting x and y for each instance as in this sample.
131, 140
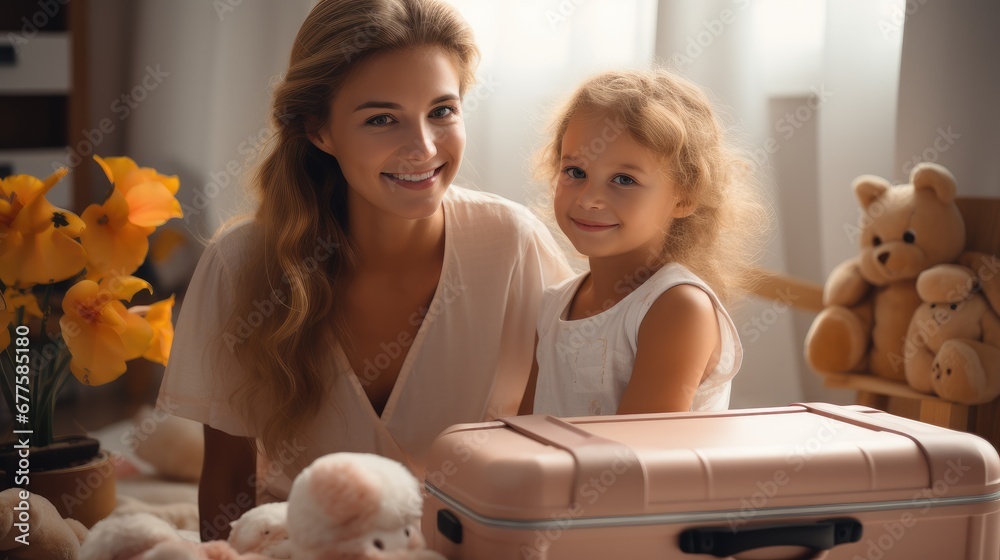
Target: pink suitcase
803, 481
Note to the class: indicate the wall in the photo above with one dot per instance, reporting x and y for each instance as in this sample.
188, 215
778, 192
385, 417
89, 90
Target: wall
949, 92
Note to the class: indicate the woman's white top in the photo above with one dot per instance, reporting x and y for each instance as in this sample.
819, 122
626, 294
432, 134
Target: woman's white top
585, 365
469, 361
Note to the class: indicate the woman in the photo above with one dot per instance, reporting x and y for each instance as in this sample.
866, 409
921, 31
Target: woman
369, 304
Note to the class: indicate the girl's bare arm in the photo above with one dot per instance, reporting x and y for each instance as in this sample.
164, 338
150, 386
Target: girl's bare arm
676, 343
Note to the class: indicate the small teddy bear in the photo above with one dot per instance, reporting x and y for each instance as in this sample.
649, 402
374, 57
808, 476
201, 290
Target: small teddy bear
953, 343
870, 299
263, 530
48, 535
356, 506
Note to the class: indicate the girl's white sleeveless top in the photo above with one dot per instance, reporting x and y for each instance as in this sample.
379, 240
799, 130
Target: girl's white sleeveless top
585, 365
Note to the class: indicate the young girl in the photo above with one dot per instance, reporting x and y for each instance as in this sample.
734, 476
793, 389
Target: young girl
369, 304
647, 189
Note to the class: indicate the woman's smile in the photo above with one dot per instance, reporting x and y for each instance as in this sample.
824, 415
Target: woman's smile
415, 181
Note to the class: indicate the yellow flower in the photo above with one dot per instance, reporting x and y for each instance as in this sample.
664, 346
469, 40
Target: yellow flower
37, 243
13, 300
117, 234
6, 318
114, 244
150, 196
160, 318
22, 298
100, 333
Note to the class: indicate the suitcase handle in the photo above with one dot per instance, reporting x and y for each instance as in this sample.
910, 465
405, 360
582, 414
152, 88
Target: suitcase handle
723, 542
599, 462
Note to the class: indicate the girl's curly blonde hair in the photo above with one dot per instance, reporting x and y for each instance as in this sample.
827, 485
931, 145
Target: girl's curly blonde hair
673, 118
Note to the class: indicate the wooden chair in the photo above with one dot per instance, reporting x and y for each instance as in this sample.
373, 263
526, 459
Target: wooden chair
982, 224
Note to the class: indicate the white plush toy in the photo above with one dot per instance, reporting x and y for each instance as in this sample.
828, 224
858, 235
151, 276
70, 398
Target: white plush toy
345, 506
355, 506
142, 536
263, 530
126, 536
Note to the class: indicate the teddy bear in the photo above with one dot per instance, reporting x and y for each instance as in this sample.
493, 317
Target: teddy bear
263, 530
49, 536
953, 343
869, 299
356, 506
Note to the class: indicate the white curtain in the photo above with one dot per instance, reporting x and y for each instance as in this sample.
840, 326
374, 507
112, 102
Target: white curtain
949, 87
534, 54
210, 66
220, 59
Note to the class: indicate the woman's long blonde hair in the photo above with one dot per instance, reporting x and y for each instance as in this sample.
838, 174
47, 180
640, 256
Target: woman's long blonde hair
302, 197
673, 118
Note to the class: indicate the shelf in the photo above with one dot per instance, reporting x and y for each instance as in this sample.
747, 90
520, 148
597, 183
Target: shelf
33, 122
871, 384
44, 93
40, 66
26, 17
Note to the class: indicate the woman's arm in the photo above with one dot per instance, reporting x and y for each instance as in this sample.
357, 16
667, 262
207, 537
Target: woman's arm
528, 402
228, 482
677, 339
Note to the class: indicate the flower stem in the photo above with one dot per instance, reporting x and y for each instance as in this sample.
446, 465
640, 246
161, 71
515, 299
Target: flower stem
45, 309
44, 433
48, 392
62, 374
8, 378
41, 417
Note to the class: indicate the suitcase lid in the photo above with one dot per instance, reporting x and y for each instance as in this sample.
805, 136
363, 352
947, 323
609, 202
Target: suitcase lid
540, 467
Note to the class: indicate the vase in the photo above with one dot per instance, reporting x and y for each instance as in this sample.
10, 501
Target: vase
73, 473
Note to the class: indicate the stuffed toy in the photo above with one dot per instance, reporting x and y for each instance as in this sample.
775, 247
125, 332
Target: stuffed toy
124, 537
953, 344
186, 550
182, 515
344, 506
143, 536
354, 506
263, 530
870, 298
50, 537
174, 446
